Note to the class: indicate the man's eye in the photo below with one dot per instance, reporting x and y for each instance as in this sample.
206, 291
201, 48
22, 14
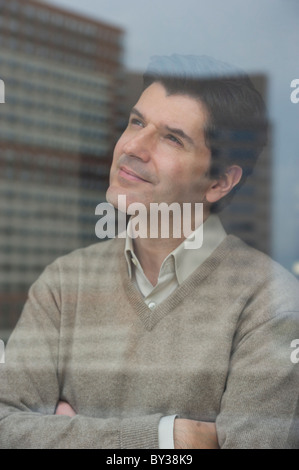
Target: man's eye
174, 139
136, 122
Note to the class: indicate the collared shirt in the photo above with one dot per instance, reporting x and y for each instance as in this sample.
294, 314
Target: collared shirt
177, 266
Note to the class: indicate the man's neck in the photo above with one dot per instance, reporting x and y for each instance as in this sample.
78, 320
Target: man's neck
151, 252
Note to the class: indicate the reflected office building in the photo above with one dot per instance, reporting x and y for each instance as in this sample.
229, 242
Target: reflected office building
61, 117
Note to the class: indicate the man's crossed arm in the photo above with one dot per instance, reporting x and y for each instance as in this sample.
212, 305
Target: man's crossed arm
187, 433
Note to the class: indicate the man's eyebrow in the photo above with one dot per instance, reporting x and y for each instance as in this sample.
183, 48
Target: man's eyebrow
138, 113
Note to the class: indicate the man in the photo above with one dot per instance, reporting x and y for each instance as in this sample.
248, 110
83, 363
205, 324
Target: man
143, 343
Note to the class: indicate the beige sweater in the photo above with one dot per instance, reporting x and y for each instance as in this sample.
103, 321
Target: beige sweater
218, 349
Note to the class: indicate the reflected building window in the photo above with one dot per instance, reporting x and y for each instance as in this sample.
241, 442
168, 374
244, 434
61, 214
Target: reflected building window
58, 127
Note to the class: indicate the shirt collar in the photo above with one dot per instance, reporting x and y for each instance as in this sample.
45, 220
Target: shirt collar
185, 260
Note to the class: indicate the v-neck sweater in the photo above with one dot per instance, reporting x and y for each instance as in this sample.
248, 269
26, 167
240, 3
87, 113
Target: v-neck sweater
217, 349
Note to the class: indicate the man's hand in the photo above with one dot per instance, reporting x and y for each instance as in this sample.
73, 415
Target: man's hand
190, 434
63, 408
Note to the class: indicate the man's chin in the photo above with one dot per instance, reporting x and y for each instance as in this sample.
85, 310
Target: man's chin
112, 196
117, 198
122, 200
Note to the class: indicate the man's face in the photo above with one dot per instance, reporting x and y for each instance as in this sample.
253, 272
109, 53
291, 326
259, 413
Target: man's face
162, 155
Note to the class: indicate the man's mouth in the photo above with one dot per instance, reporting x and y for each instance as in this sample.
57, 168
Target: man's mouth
129, 174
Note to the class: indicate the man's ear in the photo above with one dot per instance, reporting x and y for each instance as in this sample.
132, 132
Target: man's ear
222, 186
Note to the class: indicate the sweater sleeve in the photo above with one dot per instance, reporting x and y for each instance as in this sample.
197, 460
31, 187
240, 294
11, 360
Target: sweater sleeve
30, 386
258, 408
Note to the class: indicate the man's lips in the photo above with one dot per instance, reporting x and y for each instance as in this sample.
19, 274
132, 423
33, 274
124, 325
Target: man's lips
129, 174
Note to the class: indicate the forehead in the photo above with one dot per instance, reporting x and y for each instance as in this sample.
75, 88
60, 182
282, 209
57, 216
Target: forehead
172, 109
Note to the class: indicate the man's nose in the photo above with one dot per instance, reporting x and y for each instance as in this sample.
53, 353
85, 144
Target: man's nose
141, 144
